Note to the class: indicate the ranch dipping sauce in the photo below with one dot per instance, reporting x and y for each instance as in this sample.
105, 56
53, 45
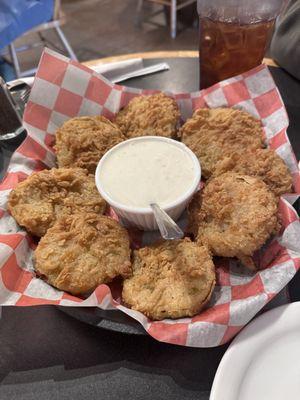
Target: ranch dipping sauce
136, 173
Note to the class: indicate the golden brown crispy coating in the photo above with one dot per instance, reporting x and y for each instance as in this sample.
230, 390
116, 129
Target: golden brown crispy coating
262, 163
155, 115
171, 279
213, 134
237, 215
83, 251
44, 196
193, 211
82, 141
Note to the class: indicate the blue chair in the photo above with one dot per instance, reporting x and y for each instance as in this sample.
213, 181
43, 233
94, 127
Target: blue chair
19, 17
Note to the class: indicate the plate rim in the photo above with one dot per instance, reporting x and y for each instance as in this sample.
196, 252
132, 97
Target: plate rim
279, 315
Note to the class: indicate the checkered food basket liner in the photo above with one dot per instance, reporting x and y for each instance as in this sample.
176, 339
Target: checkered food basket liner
64, 89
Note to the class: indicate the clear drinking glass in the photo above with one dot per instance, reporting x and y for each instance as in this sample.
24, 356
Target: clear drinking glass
234, 36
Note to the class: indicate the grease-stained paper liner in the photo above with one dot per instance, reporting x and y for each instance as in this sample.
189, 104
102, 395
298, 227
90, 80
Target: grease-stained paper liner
64, 89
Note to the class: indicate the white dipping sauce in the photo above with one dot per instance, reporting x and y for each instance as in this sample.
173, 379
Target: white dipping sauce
137, 173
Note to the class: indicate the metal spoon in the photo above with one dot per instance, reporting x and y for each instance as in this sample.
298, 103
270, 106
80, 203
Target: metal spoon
169, 230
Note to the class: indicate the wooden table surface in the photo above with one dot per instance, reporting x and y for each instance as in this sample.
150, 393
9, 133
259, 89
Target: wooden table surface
157, 54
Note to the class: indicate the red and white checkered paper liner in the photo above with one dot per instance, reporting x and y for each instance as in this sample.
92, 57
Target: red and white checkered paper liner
64, 89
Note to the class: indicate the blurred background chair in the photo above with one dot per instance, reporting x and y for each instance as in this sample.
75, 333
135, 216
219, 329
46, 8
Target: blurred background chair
21, 17
173, 5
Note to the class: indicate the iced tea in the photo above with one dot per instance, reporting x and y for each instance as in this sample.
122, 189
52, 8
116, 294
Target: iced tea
230, 48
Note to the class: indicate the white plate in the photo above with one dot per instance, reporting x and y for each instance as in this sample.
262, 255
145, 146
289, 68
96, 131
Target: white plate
263, 361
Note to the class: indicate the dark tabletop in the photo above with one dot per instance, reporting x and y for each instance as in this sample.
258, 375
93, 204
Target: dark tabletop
46, 354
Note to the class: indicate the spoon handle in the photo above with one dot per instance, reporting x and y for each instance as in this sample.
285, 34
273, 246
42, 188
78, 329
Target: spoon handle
169, 230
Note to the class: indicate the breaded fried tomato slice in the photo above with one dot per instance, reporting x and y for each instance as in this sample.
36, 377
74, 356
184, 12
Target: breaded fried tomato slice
213, 134
83, 251
193, 212
154, 115
44, 196
82, 141
262, 163
171, 279
237, 215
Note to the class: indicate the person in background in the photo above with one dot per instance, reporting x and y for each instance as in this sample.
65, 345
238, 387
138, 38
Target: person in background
285, 45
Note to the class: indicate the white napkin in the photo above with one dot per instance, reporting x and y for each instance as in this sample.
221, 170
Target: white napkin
121, 70
116, 71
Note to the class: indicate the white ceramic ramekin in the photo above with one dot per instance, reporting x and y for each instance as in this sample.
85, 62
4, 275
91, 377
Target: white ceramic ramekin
143, 217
